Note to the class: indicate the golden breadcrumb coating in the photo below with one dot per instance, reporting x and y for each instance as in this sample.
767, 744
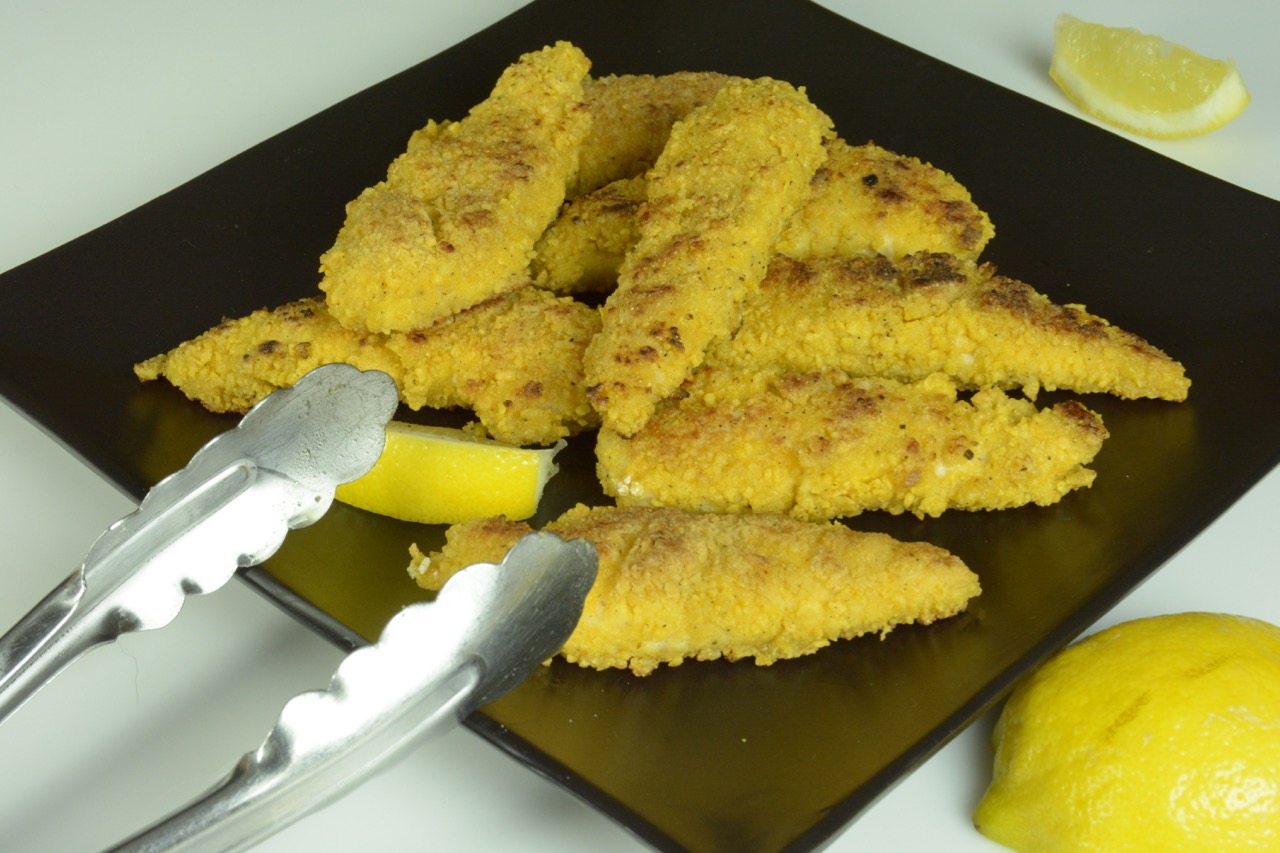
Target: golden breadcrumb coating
851, 210
673, 585
932, 313
631, 118
515, 360
823, 445
582, 250
731, 173
457, 217
235, 364
867, 200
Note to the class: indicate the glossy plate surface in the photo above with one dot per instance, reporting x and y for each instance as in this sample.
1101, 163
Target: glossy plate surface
720, 756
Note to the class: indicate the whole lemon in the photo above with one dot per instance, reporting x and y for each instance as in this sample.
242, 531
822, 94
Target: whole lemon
1156, 734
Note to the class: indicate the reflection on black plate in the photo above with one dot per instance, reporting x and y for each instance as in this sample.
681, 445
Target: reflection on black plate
720, 756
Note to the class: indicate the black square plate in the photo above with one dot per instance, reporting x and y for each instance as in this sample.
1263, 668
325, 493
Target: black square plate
719, 756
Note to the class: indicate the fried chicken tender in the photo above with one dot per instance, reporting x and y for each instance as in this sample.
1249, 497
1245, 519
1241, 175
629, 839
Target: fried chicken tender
515, 359
457, 217
235, 364
932, 313
864, 200
582, 250
673, 585
823, 445
631, 118
726, 181
867, 200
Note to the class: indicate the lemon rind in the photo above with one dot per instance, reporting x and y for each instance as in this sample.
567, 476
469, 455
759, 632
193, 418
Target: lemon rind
1226, 102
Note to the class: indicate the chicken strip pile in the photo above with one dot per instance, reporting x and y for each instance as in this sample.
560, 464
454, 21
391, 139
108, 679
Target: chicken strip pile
515, 359
863, 200
932, 313
726, 181
789, 323
673, 585
457, 217
823, 445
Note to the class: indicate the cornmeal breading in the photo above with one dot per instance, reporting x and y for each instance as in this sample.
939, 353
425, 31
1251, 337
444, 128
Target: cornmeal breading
731, 173
235, 364
673, 585
631, 118
933, 313
515, 360
823, 445
582, 250
867, 200
863, 200
456, 219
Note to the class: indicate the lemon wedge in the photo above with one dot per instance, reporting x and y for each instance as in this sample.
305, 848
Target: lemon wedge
1143, 83
440, 475
1155, 734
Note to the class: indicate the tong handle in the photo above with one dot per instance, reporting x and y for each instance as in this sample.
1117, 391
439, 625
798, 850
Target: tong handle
41, 644
435, 663
117, 589
284, 780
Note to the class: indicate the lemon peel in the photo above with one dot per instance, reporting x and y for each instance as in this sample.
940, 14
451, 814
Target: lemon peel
1155, 734
1143, 83
441, 475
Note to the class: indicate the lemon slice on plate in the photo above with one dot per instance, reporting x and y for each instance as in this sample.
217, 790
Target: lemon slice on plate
440, 475
1143, 83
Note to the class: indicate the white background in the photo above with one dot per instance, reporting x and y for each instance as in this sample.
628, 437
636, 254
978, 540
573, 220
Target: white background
104, 106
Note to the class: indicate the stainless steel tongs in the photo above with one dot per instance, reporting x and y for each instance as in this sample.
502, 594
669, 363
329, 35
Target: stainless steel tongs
232, 507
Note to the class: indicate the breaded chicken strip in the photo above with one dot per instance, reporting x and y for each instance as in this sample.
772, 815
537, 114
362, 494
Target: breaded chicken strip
631, 118
868, 200
730, 175
932, 313
822, 445
673, 585
864, 200
457, 217
515, 359
582, 250
235, 364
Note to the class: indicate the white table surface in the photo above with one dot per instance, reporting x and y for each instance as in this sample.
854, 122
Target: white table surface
104, 106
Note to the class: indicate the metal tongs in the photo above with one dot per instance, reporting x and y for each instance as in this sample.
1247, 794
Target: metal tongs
231, 507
